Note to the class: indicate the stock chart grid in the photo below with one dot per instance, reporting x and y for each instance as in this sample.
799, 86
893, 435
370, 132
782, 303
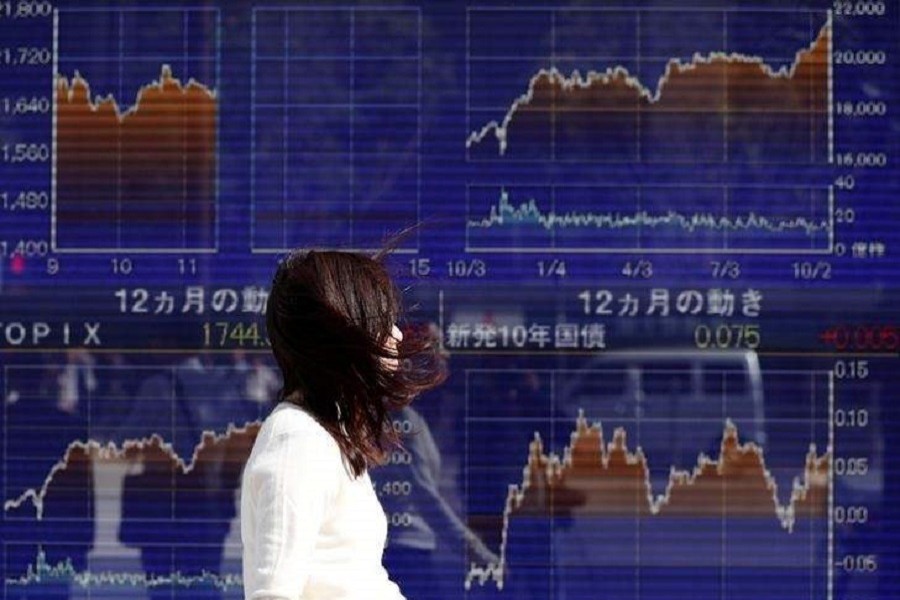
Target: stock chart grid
654, 242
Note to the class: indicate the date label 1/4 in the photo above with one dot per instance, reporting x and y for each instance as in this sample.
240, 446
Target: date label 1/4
552, 268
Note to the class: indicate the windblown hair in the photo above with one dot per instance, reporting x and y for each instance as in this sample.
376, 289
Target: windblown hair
328, 316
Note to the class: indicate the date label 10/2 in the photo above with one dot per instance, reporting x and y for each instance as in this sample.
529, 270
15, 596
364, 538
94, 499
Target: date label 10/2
810, 271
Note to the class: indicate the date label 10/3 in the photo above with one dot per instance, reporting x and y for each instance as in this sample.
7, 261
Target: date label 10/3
458, 269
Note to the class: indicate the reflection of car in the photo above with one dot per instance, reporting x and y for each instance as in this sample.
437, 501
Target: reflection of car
672, 403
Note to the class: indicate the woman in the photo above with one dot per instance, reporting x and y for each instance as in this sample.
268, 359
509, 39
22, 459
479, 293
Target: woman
311, 524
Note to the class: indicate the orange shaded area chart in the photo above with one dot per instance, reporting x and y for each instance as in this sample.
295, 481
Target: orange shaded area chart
596, 477
135, 130
599, 480
662, 487
712, 106
135, 178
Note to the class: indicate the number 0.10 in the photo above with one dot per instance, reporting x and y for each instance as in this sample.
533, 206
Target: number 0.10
855, 417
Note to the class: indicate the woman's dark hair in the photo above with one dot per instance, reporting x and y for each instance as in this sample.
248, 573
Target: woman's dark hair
328, 316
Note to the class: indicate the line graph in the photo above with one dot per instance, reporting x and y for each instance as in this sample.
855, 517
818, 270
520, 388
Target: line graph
336, 164
179, 506
124, 102
124, 477
619, 468
641, 97
555, 486
43, 572
117, 412
235, 441
763, 219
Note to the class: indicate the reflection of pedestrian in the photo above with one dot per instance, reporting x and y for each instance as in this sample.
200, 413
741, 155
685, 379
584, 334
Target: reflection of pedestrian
260, 386
262, 383
179, 516
111, 403
65, 533
426, 532
76, 379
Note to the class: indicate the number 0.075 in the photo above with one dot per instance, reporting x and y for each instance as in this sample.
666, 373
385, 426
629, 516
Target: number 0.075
727, 336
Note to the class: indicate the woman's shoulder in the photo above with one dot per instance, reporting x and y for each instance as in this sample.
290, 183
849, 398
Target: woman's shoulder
292, 447
290, 422
288, 417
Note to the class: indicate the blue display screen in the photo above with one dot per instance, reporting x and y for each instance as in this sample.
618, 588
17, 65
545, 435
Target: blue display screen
656, 240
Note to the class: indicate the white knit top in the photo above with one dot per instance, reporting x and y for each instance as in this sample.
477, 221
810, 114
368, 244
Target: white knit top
309, 530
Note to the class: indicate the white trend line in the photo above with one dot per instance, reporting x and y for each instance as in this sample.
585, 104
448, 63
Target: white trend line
556, 467
95, 103
619, 73
110, 451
